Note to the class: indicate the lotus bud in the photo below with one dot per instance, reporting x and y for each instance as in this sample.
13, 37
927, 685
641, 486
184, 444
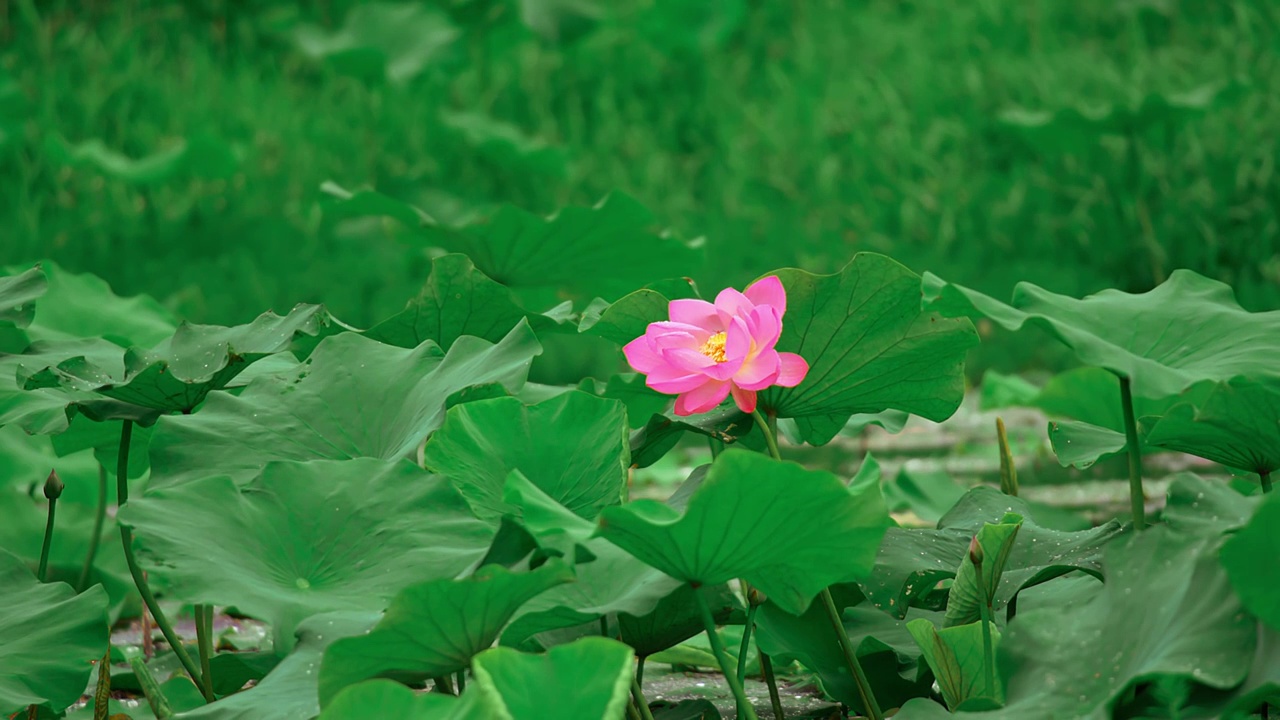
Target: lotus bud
53, 486
975, 551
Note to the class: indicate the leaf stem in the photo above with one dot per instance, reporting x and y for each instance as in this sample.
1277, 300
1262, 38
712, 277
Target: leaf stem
461, 678
745, 711
746, 642
1265, 479
640, 669
766, 667
204, 641
851, 658
770, 434
988, 650
99, 518
139, 581
637, 694
1137, 499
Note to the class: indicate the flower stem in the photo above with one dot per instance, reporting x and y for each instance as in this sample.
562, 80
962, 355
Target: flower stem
148, 599
988, 651
745, 711
1265, 479
766, 667
1137, 499
770, 435
637, 694
43, 572
204, 641
851, 658
98, 519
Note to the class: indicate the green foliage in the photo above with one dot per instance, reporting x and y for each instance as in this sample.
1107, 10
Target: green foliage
1250, 556
591, 678
956, 656
739, 523
50, 637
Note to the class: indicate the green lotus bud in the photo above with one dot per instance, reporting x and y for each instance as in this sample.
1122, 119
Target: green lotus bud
53, 486
975, 551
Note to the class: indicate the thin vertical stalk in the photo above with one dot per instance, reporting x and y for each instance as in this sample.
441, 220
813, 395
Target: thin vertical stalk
52, 491
640, 669
1137, 499
746, 641
99, 519
632, 712
770, 435
745, 711
139, 580
851, 658
1265, 479
204, 641
642, 705
988, 651
766, 667
1008, 470
461, 678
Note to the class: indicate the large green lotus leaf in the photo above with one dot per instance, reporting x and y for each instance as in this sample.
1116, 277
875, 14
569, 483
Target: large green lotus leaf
580, 253
660, 434
506, 145
572, 446
178, 373
202, 155
1080, 445
869, 346
456, 300
390, 699
1262, 684
435, 628
18, 293
1213, 507
83, 306
289, 691
912, 562
353, 397
312, 537
629, 388
392, 41
1238, 425
742, 523
1186, 330
884, 647
1092, 395
957, 657
1250, 557
589, 679
611, 581
50, 637
626, 318
966, 597
1166, 610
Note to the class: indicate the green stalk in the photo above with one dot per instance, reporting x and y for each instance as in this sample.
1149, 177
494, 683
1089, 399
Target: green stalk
988, 650
851, 658
160, 706
642, 706
140, 581
770, 436
1265, 478
1008, 471
52, 491
745, 711
766, 667
640, 669
746, 642
204, 641
1137, 499
716, 445
461, 677
632, 712
99, 518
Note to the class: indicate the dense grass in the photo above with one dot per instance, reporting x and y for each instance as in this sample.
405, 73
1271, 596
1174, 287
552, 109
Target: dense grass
800, 134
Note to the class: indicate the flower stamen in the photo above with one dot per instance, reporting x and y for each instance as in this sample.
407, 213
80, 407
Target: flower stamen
714, 347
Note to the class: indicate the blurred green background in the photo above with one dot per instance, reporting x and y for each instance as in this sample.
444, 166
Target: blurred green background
180, 148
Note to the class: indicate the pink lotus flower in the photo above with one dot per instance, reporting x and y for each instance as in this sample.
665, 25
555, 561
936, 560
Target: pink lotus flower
707, 351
